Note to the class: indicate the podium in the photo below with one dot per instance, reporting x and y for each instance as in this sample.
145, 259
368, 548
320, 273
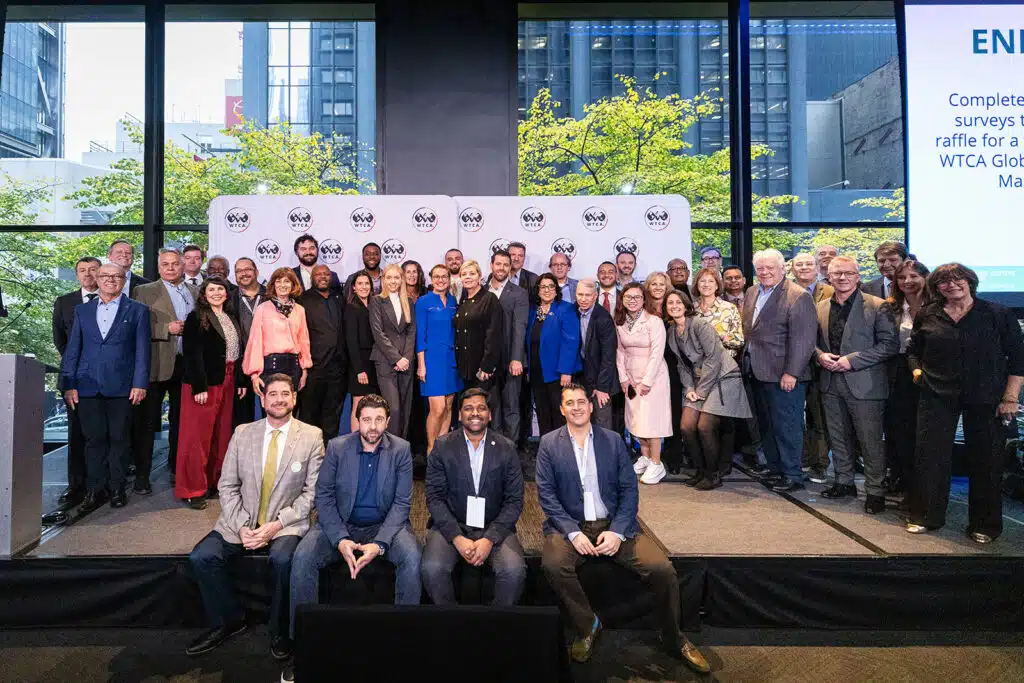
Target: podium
21, 452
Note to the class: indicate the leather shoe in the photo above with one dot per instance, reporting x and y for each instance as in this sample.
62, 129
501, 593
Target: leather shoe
214, 638
281, 648
761, 471
840, 491
874, 504
119, 498
710, 482
197, 503
785, 485
70, 498
142, 486
692, 656
694, 480
583, 646
94, 500
288, 674
979, 537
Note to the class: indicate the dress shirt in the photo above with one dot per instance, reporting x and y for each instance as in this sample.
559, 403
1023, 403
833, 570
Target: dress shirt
307, 277
194, 280
282, 438
106, 314
396, 304
735, 300
476, 460
127, 281
762, 298
584, 324
613, 296
89, 296
566, 290
514, 278
365, 511
838, 314
886, 287
810, 287
499, 289
181, 299
586, 463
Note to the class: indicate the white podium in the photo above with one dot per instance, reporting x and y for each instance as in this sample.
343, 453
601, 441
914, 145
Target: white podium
21, 452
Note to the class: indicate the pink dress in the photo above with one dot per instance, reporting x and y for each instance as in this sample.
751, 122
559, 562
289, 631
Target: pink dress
641, 360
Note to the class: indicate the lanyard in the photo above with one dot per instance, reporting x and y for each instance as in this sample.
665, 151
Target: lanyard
253, 305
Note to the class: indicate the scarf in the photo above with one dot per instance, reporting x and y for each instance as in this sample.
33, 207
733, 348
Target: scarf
632, 318
284, 309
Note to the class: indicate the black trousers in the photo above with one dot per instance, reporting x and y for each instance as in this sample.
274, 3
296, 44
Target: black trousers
149, 419
321, 402
673, 446
525, 410
76, 450
933, 462
547, 397
901, 422
245, 407
107, 427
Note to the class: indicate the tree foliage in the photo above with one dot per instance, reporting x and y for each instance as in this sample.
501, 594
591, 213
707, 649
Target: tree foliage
895, 205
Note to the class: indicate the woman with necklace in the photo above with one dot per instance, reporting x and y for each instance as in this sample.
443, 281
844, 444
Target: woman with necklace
279, 338
362, 374
393, 321
553, 343
643, 374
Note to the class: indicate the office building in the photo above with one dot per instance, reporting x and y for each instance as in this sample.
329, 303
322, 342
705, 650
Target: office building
32, 91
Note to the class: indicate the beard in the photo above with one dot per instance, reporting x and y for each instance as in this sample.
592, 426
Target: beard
308, 259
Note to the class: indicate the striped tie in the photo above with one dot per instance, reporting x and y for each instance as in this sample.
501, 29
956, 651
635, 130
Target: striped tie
269, 475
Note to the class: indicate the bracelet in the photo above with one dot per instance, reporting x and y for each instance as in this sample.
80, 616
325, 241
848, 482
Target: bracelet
1008, 400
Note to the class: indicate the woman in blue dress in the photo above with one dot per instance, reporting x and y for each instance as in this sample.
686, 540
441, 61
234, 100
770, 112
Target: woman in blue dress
435, 349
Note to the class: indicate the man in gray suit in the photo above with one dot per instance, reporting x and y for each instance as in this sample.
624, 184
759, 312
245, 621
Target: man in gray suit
856, 336
779, 325
888, 256
515, 306
266, 496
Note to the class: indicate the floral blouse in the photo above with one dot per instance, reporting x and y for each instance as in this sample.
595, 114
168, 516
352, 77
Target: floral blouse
725, 318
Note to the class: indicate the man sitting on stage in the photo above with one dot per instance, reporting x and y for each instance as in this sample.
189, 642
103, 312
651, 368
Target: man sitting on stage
266, 494
595, 519
363, 498
474, 509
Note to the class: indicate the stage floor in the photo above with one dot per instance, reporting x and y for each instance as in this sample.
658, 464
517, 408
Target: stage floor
742, 518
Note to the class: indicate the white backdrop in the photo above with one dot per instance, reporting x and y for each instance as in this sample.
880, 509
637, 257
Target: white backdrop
589, 229
264, 228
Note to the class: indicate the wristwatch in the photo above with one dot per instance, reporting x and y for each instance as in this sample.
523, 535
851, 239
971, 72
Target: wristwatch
383, 548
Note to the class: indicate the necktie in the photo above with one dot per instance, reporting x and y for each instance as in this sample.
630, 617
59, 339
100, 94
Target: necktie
606, 303
89, 297
269, 475
888, 288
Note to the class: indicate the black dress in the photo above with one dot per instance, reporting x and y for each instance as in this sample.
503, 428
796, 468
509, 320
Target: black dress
359, 340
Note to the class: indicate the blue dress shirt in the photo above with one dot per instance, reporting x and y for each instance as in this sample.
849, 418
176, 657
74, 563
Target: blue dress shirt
106, 314
365, 511
476, 460
181, 299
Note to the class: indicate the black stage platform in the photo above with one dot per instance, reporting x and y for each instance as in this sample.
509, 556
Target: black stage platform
746, 558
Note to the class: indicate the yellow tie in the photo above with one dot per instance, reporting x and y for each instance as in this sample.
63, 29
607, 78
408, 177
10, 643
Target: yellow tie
269, 475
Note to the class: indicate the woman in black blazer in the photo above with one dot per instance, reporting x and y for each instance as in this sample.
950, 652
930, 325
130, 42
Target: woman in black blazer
211, 350
393, 321
478, 330
362, 375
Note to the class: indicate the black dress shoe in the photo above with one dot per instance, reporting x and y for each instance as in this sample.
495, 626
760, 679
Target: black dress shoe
761, 471
214, 638
71, 497
694, 480
119, 499
197, 503
785, 485
94, 500
288, 674
712, 481
142, 486
212, 493
673, 468
896, 486
874, 504
281, 648
840, 491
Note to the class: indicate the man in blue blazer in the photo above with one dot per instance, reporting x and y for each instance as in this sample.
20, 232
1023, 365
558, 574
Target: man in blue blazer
363, 495
588, 491
104, 372
475, 497
598, 346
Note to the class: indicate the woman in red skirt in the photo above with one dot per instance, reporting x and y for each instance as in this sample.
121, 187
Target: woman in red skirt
211, 350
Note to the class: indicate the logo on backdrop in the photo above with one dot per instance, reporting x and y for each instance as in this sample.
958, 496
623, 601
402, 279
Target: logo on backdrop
471, 219
627, 245
500, 244
331, 251
237, 219
532, 219
362, 219
300, 219
657, 217
392, 251
594, 218
424, 219
268, 251
563, 245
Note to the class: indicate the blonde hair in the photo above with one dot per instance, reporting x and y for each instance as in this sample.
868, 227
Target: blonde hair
471, 264
403, 298
649, 302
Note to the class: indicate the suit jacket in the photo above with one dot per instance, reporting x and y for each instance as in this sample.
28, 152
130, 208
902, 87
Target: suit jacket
63, 319
559, 340
291, 499
450, 482
515, 304
392, 339
527, 279
326, 333
560, 492
165, 344
358, 337
571, 297
822, 292
204, 354
874, 287
336, 287
702, 347
598, 353
112, 366
134, 283
782, 339
869, 340
337, 486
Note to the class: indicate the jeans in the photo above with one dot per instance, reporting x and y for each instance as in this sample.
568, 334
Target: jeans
440, 558
780, 415
316, 552
211, 559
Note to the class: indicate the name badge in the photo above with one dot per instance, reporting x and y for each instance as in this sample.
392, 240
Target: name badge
296, 467
475, 506
589, 509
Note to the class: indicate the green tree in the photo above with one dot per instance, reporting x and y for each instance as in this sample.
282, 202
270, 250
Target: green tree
895, 205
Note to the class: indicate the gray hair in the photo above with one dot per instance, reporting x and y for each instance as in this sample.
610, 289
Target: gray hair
773, 255
587, 282
168, 250
817, 250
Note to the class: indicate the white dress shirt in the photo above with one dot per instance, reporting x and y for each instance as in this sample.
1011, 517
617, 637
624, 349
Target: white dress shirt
476, 460
307, 277
499, 289
613, 296
396, 304
85, 295
281, 438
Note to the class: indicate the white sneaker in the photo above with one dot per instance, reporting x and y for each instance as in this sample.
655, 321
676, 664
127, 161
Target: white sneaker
641, 465
654, 473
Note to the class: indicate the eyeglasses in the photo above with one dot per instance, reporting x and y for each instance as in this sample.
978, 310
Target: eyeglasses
110, 277
704, 259
679, 269
840, 274
244, 271
633, 298
544, 288
559, 265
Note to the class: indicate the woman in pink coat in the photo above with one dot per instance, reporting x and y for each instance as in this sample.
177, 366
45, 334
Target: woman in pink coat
643, 374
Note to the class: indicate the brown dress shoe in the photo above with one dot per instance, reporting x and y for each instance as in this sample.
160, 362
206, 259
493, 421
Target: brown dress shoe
583, 646
692, 656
